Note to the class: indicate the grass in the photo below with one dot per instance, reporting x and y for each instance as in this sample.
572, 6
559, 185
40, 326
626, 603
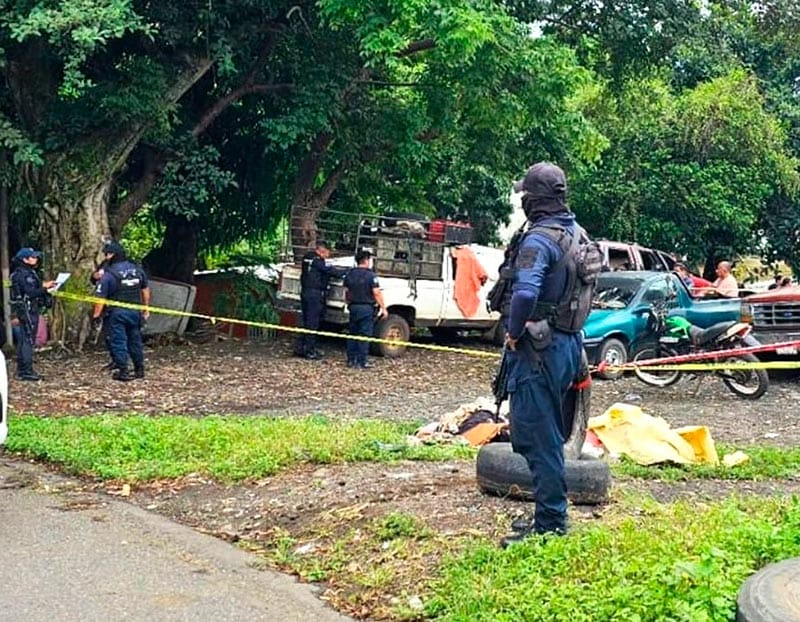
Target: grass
765, 463
640, 560
681, 561
136, 448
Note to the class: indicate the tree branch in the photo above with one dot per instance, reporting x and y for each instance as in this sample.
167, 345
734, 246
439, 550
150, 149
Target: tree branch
417, 46
210, 115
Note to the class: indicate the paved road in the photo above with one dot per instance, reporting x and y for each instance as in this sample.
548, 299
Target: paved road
70, 555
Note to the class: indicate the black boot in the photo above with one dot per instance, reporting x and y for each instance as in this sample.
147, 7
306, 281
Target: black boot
122, 375
521, 524
138, 372
519, 536
29, 376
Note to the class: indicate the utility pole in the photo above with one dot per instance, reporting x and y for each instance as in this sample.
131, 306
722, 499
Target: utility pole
5, 273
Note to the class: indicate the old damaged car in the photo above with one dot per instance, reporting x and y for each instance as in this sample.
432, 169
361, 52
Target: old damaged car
621, 307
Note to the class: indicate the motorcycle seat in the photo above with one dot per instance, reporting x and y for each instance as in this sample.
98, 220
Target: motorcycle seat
701, 336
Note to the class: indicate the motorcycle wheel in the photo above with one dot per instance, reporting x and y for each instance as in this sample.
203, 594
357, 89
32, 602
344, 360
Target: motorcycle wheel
747, 383
651, 376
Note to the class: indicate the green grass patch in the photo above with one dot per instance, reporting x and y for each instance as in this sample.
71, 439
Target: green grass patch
136, 448
765, 463
679, 561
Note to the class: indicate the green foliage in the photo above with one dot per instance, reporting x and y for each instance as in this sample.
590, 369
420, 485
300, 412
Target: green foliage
249, 298
136, 448
76, 28
692, 171
661, 563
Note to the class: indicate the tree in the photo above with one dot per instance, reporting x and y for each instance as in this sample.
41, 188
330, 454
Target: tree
693, 172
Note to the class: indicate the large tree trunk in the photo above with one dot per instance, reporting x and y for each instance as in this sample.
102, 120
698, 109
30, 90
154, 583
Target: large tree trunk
308, 200
176, 258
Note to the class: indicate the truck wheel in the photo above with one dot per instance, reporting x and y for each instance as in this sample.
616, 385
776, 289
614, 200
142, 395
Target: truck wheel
393, 328
771, 594
613, 352
502, 472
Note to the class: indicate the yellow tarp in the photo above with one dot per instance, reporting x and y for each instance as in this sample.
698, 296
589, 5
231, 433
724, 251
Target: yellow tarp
625, 429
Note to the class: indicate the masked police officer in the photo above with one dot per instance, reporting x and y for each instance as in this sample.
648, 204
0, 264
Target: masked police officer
542, 368
363, 294
314, 279
123, 281
29, 296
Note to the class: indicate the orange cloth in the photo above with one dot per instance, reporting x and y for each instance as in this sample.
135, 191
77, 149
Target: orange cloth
470, 277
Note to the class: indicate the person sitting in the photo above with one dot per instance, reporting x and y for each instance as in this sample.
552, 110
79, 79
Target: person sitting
724, 285
693, 283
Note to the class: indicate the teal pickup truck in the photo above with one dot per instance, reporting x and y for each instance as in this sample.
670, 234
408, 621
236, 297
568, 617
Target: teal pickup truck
618, 320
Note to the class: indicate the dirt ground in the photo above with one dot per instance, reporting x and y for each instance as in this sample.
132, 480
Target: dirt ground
232, 377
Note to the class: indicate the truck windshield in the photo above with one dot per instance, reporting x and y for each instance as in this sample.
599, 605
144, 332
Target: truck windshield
614, 292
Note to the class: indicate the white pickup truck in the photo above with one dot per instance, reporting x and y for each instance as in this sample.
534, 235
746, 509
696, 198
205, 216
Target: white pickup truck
418, 280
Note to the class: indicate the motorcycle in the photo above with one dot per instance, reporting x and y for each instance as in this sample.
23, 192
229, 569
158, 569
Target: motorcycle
675, 336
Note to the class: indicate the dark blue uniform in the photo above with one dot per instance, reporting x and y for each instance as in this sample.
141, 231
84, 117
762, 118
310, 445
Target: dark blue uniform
124, 281
539, 384
313, 288
28, 299
361, 306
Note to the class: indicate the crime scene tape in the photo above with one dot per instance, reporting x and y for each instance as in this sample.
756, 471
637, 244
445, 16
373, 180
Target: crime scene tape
293, 329
685, 362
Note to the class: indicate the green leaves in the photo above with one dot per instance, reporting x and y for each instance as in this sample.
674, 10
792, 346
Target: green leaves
77, 28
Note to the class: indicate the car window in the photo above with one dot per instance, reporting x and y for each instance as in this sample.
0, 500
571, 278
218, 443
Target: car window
620, 259
614, 292
649, 260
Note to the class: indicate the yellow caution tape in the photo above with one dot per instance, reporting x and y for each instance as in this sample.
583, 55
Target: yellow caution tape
292, 329
424, 346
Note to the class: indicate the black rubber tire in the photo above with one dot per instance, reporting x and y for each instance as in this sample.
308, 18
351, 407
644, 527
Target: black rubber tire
615, 349
772, 594
655, 378
760, 375
502, 472
392, 327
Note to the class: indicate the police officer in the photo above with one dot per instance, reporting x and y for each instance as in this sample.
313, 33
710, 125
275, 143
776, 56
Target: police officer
313, 288
29, 295
363, 294
123, 281
540, 376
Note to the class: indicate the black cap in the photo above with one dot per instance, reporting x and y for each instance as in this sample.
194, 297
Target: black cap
113, 248
543, 180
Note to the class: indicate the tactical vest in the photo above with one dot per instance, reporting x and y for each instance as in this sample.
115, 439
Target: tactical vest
129, 285
582, 259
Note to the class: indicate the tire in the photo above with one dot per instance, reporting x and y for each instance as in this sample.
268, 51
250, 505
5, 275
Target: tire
771, 594
576, 417
651, 377
749, 384
502, 472
395, 328
612, 351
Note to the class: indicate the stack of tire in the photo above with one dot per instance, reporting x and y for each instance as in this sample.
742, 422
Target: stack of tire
502, 472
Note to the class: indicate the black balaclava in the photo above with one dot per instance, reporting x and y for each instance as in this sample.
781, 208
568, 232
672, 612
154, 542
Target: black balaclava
116, 249
545, 191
